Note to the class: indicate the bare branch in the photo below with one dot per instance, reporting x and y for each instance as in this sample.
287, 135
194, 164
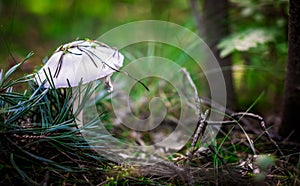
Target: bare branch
201, 124
262, 125
196, 96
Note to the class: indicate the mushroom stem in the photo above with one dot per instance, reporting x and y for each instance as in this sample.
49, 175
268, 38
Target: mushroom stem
76, 106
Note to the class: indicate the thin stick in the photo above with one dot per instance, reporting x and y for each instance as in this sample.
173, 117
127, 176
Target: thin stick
201, 127
228, 111
196, 95
201, 124
262, 125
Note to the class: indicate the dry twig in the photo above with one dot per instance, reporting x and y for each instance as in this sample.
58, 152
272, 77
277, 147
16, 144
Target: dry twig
262, 125
201, 124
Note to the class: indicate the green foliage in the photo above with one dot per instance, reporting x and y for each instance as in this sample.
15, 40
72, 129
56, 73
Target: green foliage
258, 47
245, 40
39, 131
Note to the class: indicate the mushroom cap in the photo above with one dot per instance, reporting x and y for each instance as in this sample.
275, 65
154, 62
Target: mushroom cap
82, 60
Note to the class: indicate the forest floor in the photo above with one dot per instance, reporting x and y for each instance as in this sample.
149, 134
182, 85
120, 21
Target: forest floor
52, 159
41, 144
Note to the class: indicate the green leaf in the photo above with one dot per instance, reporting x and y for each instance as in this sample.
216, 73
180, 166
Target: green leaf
245, 40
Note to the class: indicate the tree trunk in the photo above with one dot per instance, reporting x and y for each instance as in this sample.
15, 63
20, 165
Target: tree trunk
216, 27
291, 103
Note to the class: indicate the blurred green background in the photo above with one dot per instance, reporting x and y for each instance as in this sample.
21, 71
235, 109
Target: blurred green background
42, 25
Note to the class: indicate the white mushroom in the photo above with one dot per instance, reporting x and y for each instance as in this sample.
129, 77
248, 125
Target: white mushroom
82, 60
